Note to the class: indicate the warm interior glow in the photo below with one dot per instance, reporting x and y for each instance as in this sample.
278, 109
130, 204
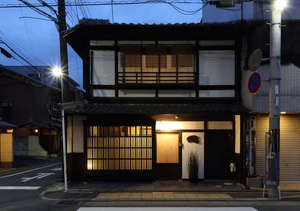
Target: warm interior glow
89, 165
283, 112
10, 130
168, 125
280, 4
56, 71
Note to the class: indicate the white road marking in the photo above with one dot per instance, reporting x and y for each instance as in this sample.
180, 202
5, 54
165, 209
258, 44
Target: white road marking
19, 187
24, 172
56, 169
166, 209
39, 176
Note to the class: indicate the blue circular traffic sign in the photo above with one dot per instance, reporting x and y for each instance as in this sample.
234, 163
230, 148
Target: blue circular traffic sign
254, 82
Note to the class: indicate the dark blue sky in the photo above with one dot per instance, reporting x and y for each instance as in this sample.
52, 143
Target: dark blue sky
37, 40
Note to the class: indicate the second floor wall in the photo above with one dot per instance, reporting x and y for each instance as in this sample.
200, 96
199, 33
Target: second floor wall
163, 69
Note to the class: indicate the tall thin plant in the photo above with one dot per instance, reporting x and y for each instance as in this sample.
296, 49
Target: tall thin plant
193, 167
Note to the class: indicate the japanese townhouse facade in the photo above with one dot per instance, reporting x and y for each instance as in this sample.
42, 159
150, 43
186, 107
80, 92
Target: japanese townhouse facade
155, 95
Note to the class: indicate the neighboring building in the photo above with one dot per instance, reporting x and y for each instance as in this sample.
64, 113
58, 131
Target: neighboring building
249, 10
258, 104
29, 99
6, 144
156, 95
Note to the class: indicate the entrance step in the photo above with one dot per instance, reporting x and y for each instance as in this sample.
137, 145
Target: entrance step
255, 182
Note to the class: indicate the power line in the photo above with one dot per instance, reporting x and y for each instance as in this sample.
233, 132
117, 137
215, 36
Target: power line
18, 55
102, 3
112, 11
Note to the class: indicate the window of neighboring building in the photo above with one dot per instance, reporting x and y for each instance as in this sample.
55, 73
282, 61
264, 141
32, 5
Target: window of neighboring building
119, 147
157, 69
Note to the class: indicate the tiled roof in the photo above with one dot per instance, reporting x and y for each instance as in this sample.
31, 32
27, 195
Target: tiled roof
97, 108
4, 124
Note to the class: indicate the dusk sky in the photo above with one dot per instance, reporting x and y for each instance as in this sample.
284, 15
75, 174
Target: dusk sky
37, 40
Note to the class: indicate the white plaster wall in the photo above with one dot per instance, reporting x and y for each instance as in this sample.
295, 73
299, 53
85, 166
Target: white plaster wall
104, 68
216, 67
176, 93
34, 147
137, 93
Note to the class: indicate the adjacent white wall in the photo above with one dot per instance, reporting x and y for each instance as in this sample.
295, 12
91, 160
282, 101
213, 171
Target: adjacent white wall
211, 14
290, 90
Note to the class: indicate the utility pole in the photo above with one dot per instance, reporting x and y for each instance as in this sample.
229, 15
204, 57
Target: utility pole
273, 177
62, 26
60, 21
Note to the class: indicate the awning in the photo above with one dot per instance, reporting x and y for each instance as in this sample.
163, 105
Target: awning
149, 109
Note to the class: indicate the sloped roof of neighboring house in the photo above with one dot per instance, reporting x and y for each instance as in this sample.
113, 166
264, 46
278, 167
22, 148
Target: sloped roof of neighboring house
37, 124
40, 75
4, 124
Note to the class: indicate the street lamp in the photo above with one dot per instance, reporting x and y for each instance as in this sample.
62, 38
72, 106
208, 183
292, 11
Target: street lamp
58, 73
280, 5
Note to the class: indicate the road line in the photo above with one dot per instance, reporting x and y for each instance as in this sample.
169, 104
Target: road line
20, 187
24, 172
166, 209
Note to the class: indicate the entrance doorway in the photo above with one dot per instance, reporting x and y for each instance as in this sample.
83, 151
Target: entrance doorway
167, 159
219, 153
192, 148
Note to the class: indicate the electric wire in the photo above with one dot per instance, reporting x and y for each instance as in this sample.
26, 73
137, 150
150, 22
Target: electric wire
112, 11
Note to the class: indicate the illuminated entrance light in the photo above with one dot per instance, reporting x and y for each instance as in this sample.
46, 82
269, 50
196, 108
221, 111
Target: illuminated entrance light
168, 125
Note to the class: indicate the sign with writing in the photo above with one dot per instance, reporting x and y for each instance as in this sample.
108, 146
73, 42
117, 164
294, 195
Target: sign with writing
254, 83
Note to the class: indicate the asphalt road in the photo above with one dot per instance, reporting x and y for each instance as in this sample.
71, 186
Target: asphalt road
21, 190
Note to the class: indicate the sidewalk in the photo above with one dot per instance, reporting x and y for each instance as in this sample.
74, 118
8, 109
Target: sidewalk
167, 191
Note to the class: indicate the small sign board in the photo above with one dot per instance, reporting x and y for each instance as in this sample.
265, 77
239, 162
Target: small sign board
254, 83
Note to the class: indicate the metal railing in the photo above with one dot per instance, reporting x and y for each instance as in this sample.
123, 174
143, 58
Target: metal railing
156, 77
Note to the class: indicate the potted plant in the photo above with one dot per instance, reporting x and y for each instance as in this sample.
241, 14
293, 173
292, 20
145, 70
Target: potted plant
193, 167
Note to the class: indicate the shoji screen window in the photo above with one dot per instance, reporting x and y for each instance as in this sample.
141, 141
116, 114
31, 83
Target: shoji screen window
119, 148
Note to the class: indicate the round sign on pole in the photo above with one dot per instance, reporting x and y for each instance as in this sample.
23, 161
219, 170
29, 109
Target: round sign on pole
254, 82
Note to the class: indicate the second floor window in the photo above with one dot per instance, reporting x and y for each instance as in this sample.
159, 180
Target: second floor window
156, 68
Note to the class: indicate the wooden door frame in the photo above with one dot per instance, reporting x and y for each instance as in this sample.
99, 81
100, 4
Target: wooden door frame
179, 133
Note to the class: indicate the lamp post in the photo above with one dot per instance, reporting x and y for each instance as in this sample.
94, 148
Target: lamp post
58, 73
277, 6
